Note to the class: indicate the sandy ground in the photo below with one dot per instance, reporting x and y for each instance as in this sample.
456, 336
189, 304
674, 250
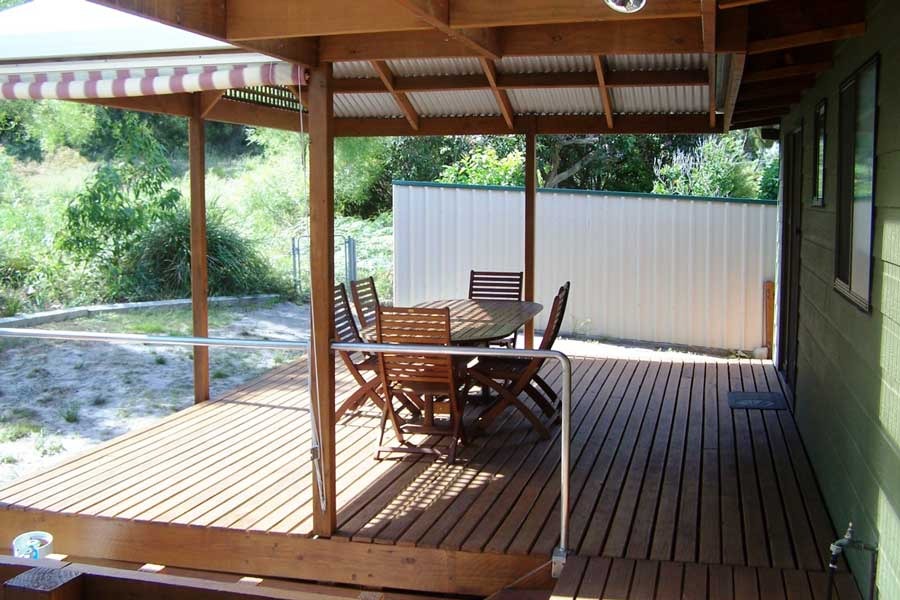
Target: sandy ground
58, 398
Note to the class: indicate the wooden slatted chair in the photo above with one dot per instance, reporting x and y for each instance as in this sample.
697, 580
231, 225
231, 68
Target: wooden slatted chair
497, 285
510, 377
431, 378
365, 298
346, 331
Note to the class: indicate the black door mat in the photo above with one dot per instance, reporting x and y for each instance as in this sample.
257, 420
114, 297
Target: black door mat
757, 400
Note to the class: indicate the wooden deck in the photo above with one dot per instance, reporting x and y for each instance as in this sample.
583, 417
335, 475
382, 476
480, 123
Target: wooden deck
662, 470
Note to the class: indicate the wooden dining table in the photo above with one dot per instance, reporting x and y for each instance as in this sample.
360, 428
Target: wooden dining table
475, 322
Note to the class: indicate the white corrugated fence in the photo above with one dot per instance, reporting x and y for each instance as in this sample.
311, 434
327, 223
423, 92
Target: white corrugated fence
643, 267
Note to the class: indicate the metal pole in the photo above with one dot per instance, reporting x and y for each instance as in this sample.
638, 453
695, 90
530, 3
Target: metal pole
350, 259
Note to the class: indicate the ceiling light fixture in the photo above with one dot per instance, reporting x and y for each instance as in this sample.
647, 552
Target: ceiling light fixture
626, 6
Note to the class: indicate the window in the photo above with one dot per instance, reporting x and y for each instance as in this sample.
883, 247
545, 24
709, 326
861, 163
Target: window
818, 198
857, 115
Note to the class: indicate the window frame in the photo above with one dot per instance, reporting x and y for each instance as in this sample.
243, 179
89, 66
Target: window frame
844, 152
820, 168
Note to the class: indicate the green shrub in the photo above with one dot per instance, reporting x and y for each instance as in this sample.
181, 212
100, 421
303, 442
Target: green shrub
483, 166
719, 167
159, 263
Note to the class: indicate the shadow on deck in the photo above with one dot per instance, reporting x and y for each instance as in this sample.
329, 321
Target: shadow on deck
662, 471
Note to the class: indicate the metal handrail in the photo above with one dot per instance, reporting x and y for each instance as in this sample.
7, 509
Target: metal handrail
165, 340
559, 554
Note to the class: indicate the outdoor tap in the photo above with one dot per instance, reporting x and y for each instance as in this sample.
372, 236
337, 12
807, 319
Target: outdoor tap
837, 548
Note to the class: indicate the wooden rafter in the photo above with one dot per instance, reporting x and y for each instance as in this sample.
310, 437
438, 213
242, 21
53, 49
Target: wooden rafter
512, 81
406, 107
708, 24
600, 70
729, 4
806, 38
787, 72
735, 75
506, 109
437, 14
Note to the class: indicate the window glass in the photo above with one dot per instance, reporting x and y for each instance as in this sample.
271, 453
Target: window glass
863, 182
819, 156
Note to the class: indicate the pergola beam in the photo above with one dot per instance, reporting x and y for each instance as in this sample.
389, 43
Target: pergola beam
614, 37
787, 72
258, 19
542, 125
207, 17
436, 13
600, 72
806, 38
506, 109
512, 81
406, 107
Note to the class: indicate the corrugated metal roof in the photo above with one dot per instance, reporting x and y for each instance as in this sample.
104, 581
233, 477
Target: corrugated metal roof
661, 100
655, 62
557, 101
454, 103
354, 69
545, 64
434, 66
365, 105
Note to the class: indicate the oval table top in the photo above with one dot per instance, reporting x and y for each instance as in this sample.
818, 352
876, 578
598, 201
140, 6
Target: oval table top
479, 321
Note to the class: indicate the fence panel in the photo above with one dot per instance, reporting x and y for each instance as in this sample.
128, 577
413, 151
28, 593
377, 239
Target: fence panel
643, 267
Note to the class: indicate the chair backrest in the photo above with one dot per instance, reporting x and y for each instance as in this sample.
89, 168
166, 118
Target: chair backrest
495, 285
365, 297
557, 313
345, 329
429, 326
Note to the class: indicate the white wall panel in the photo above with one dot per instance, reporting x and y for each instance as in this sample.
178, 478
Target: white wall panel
652, 268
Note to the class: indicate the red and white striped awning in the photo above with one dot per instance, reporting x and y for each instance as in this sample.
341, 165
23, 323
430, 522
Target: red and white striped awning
33, 82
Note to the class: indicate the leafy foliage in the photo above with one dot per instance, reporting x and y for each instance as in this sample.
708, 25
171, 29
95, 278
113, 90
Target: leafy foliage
159, 263
483, 166
718, 167
11, 189
124, 197
771, 170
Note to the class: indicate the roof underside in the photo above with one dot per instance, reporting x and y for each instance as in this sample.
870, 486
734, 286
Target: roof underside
555, 66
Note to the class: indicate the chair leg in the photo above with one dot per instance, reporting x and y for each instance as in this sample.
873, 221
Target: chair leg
551, 393
540, 401
358, 398
506, 399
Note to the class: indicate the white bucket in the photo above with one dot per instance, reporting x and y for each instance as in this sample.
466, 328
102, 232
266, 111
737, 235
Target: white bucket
33, 544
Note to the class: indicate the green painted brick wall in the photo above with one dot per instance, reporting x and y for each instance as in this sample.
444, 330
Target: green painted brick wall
848, 385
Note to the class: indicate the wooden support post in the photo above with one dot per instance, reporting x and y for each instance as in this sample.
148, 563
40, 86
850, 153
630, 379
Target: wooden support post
530, 198
321, 236
43, 583
769, 314
199, 284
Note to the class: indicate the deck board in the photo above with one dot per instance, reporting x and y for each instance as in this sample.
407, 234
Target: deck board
663, 473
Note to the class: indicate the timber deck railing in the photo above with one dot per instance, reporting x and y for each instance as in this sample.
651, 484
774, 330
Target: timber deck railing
559, 554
